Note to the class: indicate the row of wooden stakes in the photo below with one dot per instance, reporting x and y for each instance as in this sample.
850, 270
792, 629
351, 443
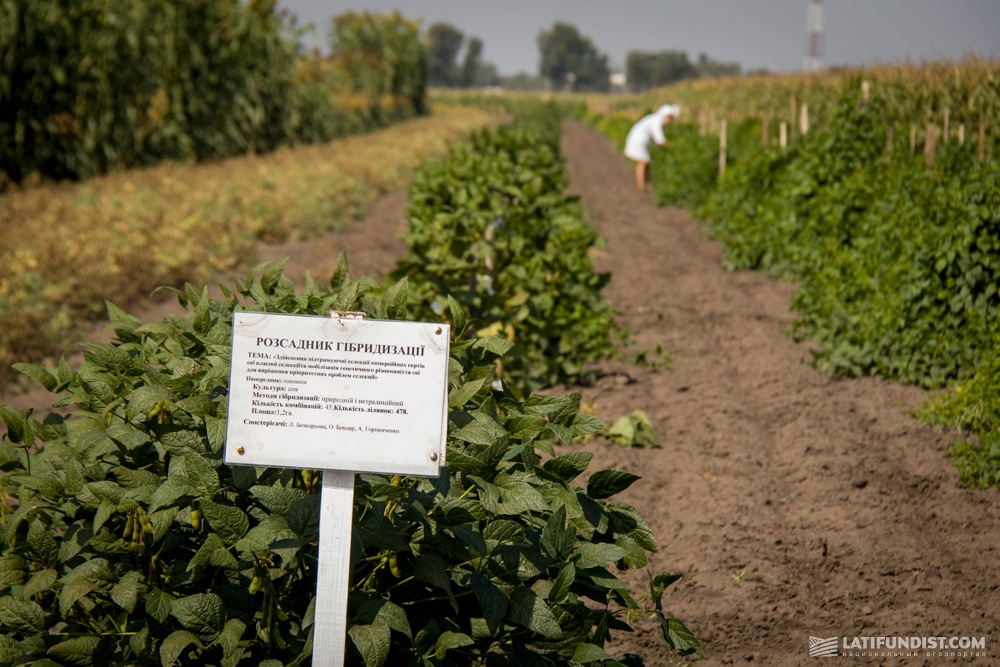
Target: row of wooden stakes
931, 138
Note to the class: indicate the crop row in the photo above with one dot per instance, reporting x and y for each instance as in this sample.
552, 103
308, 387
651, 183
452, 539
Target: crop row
492, 228
895, 246
68, 247
126, 532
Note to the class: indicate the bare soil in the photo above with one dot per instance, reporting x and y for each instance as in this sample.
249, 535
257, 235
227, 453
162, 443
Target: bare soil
795, 504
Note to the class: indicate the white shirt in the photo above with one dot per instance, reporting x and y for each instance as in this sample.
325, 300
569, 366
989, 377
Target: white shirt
649, 128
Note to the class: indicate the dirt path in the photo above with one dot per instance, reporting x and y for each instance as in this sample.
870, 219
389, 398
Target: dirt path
794, 503
372, 246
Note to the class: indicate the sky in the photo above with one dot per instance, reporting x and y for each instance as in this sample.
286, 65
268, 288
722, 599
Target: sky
756, 33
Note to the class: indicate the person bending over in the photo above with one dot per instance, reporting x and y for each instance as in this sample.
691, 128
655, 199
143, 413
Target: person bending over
649, 128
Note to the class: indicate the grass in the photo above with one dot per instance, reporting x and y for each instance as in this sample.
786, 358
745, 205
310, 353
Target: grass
66, 247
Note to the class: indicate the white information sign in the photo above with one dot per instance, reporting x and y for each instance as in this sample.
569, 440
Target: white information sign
338, 394
342, 395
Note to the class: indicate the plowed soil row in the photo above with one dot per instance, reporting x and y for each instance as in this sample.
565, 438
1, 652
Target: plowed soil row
795, 504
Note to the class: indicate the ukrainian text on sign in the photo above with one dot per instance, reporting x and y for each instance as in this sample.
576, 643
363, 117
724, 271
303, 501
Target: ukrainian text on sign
337, 394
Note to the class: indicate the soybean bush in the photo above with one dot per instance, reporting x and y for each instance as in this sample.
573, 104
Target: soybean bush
898, 265
126, 540
491, 227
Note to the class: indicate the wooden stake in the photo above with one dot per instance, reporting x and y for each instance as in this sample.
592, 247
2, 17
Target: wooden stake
334, 570
961, 134
865, 92
888, 145
793, 108
930, 146
913, 138
947, 118
804, 120
765, 123
783, 134
722, 147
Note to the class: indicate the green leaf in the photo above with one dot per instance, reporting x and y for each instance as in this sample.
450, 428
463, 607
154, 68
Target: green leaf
215, 429
562, 583
658, 584
77, 651
504, 530
599, 554
203, 614
380, 610
229, 638
126, 592
38, 374
158, 604
622, 432
449, 640
460, 396
458, 320
231, 523
586, 653
303, 517
372, 642
584, 424
269, 279
277, 499
39, 582
177, 490
13, 570
485, 350
243, 476
9, 649
520, 496
18, 431
529, 610
341, 276
430, 569
493, 601
626, 520
71, 594
198, 471
679, 637
568, 466
22, 616
394, 301
213, 552
606, 483
174, 645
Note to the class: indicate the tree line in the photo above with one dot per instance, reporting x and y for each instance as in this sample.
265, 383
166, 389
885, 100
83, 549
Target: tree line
568, 60
89, 86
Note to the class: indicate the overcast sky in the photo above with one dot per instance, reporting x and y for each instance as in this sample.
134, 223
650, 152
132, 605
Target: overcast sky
755, 33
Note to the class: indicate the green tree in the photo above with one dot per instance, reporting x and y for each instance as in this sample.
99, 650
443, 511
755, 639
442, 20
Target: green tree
647, 69
709, 67
472, 62
445, 43
570, 60
382, 54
